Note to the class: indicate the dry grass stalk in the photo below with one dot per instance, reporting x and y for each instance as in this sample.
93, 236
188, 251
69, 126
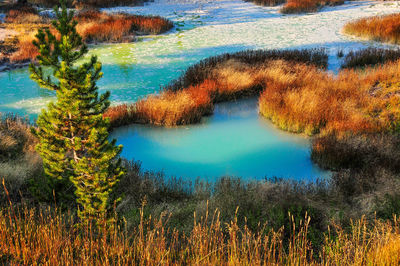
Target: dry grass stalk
379, 28
370, 57
28, 236
296, 97
216, 79
303, 99
303, 6
94, 26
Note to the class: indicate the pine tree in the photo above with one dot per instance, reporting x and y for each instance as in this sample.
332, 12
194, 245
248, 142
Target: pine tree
72, 133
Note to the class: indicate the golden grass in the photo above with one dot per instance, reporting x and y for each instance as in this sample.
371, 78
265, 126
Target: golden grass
102, 27
25, 21
26, 50
296, 97
378, 28
302, 6
47, 237
23, 15
177, 108
364, 245
82, 4
304, 99
93, 26
16, 137
189, 105
216, 79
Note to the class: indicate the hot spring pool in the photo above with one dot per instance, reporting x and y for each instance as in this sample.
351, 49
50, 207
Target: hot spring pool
235, 140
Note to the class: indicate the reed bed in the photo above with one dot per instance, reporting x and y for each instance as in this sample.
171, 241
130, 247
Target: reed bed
23, 15
267, 2
297, 97
304, 99
370, 57
18, 160
298, 6
26, 50
354, 151
379, 28
201, 71
88, 3
16, 137
93, 26
220, 78
28, 236
304, 6
25, 20
177, 108
96, 26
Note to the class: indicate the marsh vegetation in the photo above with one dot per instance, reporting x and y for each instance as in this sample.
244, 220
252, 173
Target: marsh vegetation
93, 25
352, 217
298, 6
378, 28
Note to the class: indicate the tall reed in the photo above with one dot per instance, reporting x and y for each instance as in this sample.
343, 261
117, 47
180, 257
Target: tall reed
370, 57
29, 236
96, 26
303, 6
304, 99
215, 79
93, 26
297, 97
379, 28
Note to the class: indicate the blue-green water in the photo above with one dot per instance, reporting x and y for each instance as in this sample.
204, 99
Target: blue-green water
237, 142
234, 141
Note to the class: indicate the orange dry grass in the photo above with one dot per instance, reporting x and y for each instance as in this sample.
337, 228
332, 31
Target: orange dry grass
94, 26
364, 245
30, 237
379, 28
100, 26
119, 114
177, 108
301, 6
24, 20
26, 50
23, 15
301, 98
16, 136
229, 80
296, 97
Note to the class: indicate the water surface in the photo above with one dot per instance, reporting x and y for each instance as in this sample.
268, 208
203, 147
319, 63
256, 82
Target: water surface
235, 141
203, 28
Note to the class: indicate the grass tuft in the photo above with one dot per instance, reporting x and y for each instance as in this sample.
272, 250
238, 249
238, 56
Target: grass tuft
305, 6
379, 28
370, 57
267, 2
96, 26
215, 79
48, 237
304, 99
